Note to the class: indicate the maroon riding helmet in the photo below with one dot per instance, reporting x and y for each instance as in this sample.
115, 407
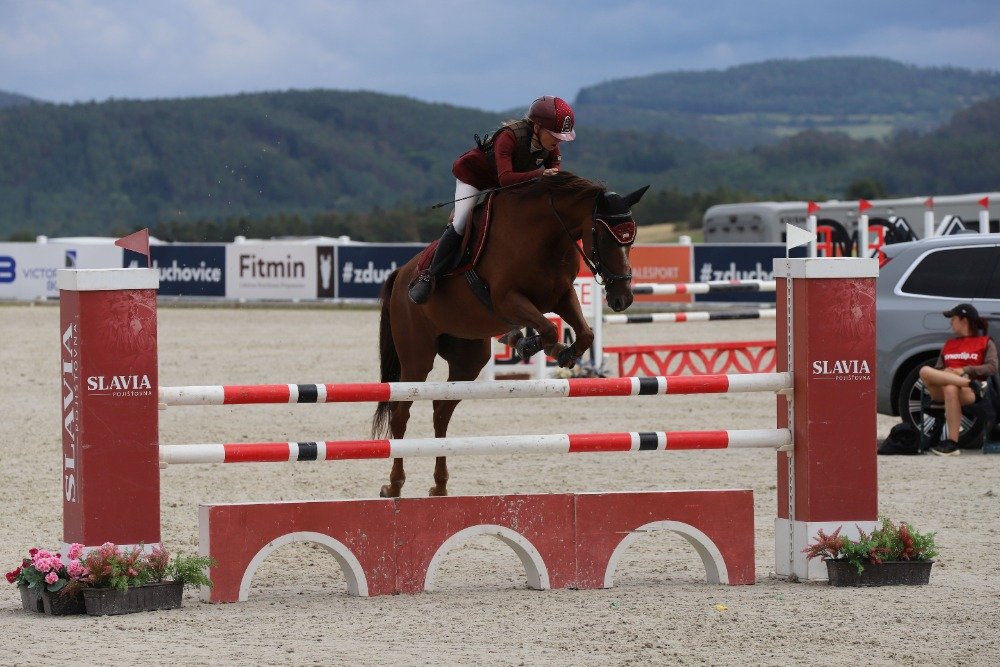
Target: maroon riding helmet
553, 114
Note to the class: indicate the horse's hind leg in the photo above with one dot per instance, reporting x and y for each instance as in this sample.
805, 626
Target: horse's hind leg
466, 359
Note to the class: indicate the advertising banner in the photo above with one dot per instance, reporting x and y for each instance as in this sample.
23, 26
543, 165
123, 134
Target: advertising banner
661, 264
28, 270
361, 269
270, 271
185, 270
738, 261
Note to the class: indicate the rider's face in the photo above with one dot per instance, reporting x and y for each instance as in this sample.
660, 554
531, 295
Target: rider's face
546, 139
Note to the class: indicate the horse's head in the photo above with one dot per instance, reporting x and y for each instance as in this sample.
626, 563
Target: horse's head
611, 239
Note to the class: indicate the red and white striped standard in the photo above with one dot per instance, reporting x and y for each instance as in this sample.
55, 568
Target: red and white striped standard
454, 391
563, 443
709, 287
699, 316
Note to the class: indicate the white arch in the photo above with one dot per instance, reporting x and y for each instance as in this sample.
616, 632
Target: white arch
357, 583
534, 565
715, 566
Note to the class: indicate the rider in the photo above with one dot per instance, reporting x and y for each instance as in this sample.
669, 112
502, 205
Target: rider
520, 151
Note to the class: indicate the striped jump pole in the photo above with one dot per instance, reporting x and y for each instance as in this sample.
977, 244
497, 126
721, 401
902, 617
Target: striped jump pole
563, 443
699, 316
457, 391
710, 287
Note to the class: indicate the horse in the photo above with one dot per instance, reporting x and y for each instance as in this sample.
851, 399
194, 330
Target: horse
529, 263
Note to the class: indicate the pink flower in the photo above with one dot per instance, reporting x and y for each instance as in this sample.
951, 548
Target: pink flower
51, 578
75, 550
108, 549
76, 570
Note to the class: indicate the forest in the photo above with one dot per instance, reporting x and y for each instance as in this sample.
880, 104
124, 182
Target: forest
310, 162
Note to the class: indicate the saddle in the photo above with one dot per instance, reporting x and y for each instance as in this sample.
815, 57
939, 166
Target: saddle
473, 241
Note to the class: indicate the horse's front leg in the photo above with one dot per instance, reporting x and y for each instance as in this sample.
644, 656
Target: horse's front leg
398, 416
517, 307
571, 312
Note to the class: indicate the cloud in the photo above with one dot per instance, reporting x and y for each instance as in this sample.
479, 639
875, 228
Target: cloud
474, 53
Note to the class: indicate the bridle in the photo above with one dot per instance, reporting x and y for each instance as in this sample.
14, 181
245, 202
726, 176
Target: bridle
620, 226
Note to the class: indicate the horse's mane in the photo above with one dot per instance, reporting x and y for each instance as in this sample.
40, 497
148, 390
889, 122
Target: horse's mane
561, 183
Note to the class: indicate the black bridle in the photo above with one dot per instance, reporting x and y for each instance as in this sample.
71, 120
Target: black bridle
594, 262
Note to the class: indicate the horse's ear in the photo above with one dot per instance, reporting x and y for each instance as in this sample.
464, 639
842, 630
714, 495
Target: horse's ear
633, 197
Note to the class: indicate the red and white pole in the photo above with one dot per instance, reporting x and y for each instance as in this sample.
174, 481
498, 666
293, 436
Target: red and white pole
826, 316
110, 451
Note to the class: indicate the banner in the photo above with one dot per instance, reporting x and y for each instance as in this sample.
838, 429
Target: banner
270, 271
361, 269
28, 270
185, 270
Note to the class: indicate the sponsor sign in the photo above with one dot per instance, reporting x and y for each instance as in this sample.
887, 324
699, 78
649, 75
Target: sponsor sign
185, 270
326, 279
28, 270
270, 271
362, 269
661, 264
738, 262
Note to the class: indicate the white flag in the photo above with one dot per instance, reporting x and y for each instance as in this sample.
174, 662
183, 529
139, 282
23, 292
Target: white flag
796, 236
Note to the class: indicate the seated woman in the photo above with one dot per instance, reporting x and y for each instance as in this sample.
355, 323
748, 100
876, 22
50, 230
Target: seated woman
958, 377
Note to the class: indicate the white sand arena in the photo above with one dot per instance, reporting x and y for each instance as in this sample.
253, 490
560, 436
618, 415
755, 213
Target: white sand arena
299, 612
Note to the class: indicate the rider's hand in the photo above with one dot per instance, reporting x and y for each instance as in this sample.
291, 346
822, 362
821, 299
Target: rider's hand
550, 171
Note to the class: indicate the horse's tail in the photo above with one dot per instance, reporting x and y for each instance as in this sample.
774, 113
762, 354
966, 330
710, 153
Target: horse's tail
388, 359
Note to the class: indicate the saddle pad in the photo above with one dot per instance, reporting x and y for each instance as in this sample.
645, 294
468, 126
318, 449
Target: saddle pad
473, 242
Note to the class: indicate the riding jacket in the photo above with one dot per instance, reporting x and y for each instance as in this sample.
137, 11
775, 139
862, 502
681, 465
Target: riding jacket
505, 159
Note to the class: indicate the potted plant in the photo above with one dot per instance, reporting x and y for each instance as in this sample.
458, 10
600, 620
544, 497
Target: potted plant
125, 581
889, 555
49, 585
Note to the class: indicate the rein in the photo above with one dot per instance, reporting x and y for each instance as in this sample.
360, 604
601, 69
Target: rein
593, 264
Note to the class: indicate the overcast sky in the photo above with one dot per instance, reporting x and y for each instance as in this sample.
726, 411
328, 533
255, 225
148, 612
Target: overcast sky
488, 55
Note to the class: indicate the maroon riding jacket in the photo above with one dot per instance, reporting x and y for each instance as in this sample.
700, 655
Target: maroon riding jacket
511, 161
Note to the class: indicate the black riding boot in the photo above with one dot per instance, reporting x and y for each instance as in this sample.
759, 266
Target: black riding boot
421, 289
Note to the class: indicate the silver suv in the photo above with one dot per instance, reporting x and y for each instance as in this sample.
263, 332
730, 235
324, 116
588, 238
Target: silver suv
917, 282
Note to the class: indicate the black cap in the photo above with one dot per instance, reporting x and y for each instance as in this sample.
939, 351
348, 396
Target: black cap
963, 310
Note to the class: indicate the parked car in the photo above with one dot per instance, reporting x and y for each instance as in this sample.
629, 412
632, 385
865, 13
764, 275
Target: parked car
917, 282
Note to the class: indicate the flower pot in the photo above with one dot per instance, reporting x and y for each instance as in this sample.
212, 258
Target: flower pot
889, 573
53, 604
150, 597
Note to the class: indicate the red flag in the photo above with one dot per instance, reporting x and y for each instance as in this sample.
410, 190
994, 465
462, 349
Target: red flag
812, 207
136, 242
864, 205
985, 202
929, 203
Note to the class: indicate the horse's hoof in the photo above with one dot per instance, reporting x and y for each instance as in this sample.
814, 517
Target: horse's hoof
386, 492
435, 491
567, 357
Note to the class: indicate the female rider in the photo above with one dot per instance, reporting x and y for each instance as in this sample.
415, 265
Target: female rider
520, 151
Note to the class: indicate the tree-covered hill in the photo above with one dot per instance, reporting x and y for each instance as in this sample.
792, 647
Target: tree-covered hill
751, 104
369, 164
12, 100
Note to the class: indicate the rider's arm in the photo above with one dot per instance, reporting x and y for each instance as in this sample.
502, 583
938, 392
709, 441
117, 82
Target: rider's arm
554, 160
504, 152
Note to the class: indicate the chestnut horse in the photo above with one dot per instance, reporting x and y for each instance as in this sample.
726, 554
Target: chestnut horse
529, 263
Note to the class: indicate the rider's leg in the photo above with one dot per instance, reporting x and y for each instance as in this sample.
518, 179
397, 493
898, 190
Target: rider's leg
422, 288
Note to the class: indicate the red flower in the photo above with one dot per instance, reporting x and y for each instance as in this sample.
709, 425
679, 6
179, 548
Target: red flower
11, 576
32, 551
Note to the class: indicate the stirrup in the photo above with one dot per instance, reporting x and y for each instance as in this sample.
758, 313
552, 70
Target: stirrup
422, 288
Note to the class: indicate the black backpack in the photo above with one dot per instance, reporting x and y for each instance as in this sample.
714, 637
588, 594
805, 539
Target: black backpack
904, 438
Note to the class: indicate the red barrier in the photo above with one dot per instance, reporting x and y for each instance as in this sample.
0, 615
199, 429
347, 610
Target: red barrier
396, 545
750, 356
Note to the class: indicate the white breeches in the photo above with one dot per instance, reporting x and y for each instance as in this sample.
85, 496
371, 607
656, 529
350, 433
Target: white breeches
463, 208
